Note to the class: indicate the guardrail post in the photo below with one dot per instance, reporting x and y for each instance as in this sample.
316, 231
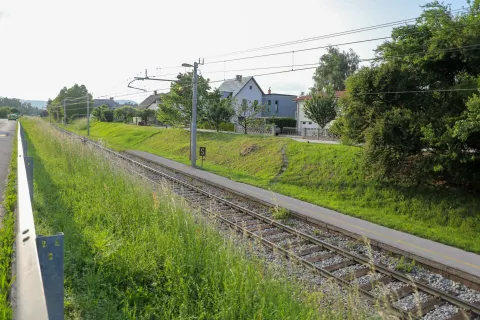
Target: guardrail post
29, 168
51, 256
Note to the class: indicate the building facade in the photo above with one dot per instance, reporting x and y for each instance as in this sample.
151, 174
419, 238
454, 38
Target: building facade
303, 122
247, 89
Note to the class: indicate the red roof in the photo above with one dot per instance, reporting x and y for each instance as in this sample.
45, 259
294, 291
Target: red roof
338, 94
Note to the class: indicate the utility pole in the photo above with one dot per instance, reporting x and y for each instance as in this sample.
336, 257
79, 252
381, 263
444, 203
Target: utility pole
88, 115
64, 112
194, 117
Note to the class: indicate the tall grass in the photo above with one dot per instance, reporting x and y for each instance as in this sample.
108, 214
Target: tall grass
7, 235
134, 253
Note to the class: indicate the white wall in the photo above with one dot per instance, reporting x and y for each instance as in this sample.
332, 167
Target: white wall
301, 118
153, 106
249, 94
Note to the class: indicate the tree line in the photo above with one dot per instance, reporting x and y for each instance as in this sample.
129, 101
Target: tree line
14, 105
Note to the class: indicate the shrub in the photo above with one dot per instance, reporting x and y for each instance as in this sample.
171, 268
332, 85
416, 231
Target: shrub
283, 122
4, 112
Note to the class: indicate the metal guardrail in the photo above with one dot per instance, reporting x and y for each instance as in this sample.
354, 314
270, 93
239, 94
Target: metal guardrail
39, 259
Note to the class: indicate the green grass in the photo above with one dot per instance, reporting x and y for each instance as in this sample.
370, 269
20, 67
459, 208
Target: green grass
328, 175
135, 253
7, 236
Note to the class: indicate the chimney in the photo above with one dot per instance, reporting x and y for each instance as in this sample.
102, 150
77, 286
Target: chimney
155, 92
238, 77
269, 91
302, 94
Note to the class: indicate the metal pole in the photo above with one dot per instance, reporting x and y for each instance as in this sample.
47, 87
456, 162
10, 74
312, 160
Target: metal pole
88, 115
193, 150
64, 113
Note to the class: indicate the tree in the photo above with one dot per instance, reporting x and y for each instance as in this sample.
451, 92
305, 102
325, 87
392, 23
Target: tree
415, 108
10, 102
4, 112
77, 94
334, 68
103, 113
218, 110
124, 114
247, 114
321, 108
176, 106
146, 114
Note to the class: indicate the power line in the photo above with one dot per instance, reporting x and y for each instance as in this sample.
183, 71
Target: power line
469, 47
331, 35
299, 50
420, 91
317, 38
327, 36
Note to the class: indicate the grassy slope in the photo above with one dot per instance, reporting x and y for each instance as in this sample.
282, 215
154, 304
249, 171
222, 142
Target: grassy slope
134, 254
7, 236
327, 175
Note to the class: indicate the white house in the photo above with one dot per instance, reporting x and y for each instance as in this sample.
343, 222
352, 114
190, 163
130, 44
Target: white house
151, 102
241, 89
302, 120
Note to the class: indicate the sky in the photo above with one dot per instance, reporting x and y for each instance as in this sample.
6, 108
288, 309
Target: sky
103, 44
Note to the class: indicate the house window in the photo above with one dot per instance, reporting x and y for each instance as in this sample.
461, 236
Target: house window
304, 122
269, 102
276, 105
309, 123
244, 101
250, 87
256, 101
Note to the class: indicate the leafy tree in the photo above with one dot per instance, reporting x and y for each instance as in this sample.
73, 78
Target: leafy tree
103, 113
335, 66
416, 109
176, 106
4, 112
146, 114
218, 110
10, 102
467, 129
124, 114
321, 108
77, 93
247, 114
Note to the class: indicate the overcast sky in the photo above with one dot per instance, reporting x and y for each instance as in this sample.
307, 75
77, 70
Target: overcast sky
49, 44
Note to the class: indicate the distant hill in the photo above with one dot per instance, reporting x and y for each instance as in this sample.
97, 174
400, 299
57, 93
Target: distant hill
42, 104
126, 101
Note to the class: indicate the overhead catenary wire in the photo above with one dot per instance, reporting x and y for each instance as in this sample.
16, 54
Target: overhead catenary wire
331, 35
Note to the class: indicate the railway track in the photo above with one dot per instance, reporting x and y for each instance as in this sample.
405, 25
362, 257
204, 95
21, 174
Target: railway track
346, 268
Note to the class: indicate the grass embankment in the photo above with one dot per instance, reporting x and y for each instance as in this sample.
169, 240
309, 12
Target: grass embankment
7, 235
328, 175
131, 253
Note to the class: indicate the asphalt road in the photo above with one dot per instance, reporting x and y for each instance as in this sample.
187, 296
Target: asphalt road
7, 131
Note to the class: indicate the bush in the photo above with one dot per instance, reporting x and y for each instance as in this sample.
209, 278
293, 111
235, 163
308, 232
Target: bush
283, 122
4, 112
224, 126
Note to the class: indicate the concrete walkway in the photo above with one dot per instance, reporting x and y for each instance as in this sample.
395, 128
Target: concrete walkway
422, 250
317, 141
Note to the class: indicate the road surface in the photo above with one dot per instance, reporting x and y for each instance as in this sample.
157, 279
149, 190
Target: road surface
7, 131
